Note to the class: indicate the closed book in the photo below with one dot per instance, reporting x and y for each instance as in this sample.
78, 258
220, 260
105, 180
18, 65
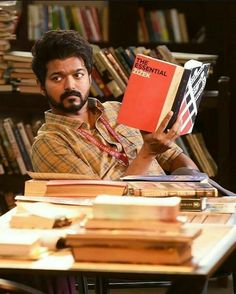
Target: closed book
130, 208
156, 87
166, 189
134, 224
17, 244
193, 204
74, 188
132, 246
165, 255
134, 238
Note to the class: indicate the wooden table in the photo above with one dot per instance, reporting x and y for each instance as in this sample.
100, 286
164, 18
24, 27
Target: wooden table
214, 246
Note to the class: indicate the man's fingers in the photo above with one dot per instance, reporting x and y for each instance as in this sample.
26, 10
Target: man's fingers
165, 121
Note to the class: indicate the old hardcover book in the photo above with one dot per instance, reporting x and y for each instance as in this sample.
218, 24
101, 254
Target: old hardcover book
163, 189
155, 87
130, 208
154, 255
133, 246
74, 188
132, 238
134, 224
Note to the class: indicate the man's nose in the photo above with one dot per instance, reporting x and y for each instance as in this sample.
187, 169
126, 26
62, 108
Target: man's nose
69, 83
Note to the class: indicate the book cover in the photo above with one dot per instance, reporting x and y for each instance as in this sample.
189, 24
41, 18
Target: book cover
155, 87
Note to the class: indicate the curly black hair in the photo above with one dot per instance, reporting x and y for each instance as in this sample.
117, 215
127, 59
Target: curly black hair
59, 44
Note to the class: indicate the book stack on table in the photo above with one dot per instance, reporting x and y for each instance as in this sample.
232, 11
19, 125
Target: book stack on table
134, 230
194, 190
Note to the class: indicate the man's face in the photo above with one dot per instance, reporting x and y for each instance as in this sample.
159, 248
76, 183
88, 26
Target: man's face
67, 85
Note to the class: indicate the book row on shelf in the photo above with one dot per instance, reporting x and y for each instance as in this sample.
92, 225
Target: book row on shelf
157, 25
16, 139
112, 68
91, 21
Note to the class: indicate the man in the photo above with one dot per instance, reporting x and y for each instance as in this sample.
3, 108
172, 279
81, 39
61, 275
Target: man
80, 134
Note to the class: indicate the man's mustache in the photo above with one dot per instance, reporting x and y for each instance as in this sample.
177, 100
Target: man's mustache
70, 93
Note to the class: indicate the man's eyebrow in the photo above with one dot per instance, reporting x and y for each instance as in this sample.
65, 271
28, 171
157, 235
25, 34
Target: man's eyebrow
62, 72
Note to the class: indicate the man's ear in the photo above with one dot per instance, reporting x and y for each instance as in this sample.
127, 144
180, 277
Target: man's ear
41, 87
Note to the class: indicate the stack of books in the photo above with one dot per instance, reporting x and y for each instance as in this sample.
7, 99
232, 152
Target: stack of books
194, 190
8, 23
134, 230
19, 71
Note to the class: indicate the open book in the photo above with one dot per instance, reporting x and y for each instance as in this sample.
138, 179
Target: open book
156, 86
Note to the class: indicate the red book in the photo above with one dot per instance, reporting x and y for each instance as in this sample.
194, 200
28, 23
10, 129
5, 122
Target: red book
155, 87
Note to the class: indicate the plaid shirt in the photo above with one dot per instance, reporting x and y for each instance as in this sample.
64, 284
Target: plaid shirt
59, 148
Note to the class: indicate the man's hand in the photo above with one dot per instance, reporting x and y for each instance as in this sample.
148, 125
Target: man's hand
160, 141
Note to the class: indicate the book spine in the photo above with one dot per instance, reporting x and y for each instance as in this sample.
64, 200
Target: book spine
23, 150
179, 97
193, 204
15, 147
9, 150
111, 70
115, 64
3, 158
208, 192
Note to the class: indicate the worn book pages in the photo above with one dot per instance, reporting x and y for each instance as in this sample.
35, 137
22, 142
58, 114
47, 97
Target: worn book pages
133, 246
158, 255
74, 187
135, 224
17, 244
60, 176
130, 208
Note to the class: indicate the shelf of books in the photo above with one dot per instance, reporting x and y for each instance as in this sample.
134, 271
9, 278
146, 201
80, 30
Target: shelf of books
90, 18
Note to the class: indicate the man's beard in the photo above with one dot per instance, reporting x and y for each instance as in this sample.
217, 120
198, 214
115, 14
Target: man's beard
73, 106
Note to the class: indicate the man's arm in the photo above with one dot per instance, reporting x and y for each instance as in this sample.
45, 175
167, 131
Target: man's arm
157, 143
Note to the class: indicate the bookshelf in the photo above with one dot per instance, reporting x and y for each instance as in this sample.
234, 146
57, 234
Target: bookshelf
217, 20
